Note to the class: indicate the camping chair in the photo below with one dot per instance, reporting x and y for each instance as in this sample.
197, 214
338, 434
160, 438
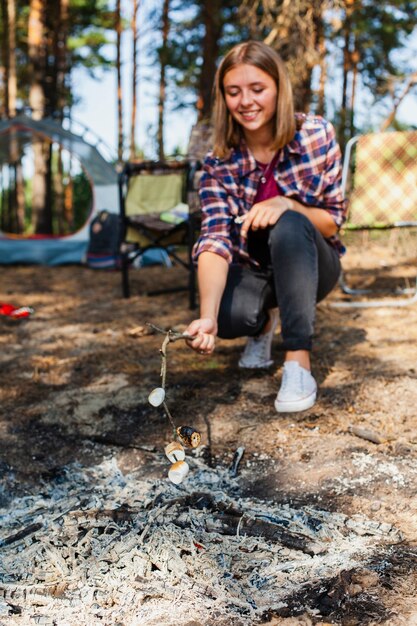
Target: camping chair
155, 216
380, 181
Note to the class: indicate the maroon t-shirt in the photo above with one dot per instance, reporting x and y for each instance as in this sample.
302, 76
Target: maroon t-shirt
267, 188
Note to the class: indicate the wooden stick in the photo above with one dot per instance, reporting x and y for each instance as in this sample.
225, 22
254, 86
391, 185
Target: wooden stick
170, 336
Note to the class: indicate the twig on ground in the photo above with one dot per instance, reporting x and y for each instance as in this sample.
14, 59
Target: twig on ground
369, 435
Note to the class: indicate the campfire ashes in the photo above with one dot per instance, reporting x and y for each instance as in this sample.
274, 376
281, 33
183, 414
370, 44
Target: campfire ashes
99, 547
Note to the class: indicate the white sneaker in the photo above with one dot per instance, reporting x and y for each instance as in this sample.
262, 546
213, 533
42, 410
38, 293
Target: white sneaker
257, 352
298, 389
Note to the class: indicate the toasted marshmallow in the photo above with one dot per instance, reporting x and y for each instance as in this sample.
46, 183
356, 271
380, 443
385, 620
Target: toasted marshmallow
175, 452
178, 471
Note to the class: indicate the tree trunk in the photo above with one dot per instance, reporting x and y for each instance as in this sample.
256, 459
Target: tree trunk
69, 196
346, 72
321, 45
36, 59
12, 88
46, 225
69, 200
59, 194
355, 60
36, 47
213, 29
3, 201
58, 101
15, 157
38, 184
5, 47
303, 93
162, 80
58, 35
18, 198
134, 26
118, 28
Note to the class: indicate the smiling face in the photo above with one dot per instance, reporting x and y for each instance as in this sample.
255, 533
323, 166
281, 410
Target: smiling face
251, 98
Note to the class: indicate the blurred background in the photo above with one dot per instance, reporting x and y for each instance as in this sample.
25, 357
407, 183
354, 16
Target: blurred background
139, 74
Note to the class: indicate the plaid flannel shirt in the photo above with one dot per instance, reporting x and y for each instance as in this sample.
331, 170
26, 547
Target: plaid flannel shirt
308, 169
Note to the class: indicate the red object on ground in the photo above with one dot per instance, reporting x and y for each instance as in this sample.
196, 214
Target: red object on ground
8, 310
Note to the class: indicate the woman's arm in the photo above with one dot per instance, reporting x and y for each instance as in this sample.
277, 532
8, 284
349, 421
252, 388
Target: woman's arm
268, 212
321, 219
212, 276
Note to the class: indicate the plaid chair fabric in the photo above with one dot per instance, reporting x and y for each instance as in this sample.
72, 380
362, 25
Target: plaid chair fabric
380, 182
383, 187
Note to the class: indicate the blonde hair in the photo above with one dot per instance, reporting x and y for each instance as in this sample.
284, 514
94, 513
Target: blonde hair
227, 132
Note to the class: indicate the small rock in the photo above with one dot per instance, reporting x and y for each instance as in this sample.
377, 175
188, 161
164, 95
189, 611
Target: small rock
402, 448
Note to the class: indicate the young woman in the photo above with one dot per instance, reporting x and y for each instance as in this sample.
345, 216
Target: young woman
272, 205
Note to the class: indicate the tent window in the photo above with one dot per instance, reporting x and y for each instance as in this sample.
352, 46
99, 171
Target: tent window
43, 188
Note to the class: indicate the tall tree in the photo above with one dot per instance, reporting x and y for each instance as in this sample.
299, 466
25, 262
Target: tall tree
322, 50
213, 28
56, 70
12, 81
371, 33
15, 157
36, 49
135, 35
8, 53
36, 52
201, 31
4, 38
119, 29
347, 37
163, 62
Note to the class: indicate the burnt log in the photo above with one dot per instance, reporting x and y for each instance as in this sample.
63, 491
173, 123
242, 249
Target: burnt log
21, 534
226, 519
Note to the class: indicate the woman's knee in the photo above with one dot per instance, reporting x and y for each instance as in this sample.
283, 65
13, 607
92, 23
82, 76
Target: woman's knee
244, 303
292, 225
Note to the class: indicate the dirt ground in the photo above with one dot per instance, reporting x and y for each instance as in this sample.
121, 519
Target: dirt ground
74, 382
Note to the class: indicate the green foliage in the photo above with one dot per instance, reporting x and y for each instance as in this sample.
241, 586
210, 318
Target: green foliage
82, 199
184, 53
89, 29
91, 22
380, 29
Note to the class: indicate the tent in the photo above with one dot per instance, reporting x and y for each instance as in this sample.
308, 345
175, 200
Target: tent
56, 250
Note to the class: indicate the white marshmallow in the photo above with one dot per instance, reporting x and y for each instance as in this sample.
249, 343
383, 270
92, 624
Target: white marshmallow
157, 396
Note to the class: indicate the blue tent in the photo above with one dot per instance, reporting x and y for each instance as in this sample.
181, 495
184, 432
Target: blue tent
56, 250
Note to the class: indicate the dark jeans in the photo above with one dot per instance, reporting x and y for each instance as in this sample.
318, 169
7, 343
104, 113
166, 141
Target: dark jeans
302, 270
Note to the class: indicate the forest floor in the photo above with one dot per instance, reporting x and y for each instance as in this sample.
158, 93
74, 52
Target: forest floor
326, 511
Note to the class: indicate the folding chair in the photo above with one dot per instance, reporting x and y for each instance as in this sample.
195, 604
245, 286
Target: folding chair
380, 181
149, 194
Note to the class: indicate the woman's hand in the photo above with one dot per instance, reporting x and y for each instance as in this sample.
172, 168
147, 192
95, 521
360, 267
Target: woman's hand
202, 335
265, 213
